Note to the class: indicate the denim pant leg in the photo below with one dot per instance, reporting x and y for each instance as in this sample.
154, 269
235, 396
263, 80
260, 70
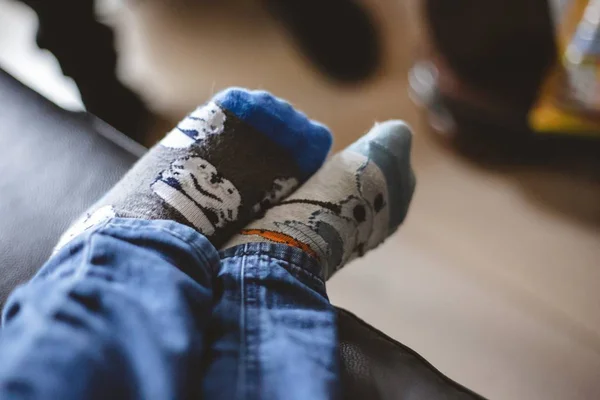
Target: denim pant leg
117, 314
273, 331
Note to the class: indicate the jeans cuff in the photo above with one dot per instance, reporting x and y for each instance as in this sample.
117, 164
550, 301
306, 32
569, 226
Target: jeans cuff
197, 241
304, 267
149, 233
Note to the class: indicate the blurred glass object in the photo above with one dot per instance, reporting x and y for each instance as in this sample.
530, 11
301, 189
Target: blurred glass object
423, 91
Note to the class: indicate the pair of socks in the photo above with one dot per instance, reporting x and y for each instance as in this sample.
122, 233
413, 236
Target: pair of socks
231, 168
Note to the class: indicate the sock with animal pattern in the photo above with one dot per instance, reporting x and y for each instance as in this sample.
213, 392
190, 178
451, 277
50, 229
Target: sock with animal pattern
350, 206
227, 161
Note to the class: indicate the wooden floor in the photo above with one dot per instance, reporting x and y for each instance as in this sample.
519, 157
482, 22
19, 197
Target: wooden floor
494, 276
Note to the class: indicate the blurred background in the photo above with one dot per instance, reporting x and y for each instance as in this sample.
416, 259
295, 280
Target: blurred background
494, 276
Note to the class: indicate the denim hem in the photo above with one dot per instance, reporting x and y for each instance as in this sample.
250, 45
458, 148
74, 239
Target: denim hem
203, 247
301, 265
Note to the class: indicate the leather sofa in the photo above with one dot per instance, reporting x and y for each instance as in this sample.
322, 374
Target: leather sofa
55, 163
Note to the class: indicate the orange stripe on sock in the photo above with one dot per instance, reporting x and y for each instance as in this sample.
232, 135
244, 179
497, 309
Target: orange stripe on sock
282, 238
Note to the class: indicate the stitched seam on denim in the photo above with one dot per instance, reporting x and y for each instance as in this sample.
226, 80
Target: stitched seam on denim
76, 278
270, 257
300, 274
295, 266
252, 331
199, 250
86, 258
55, 275
243, 349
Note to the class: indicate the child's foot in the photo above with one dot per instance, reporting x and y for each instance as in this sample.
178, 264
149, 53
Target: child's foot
350, 206
224, 163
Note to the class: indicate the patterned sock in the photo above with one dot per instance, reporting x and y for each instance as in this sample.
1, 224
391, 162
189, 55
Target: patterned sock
227, 161
350, 206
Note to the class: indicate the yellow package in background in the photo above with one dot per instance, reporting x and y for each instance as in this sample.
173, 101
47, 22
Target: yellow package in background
569, 102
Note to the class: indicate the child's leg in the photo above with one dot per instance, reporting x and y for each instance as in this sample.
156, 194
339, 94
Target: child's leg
273, 333
119, 314
120, 311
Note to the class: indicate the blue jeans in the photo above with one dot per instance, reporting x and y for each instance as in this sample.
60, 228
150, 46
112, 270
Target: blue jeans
136, 309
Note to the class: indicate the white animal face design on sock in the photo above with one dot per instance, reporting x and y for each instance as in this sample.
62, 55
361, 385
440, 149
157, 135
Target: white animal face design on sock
195, 188
204, 121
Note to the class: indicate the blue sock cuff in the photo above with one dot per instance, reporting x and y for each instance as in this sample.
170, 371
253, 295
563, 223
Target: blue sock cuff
307, 141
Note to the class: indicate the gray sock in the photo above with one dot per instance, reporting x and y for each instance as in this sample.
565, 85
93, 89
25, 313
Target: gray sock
350, 206
223, 164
